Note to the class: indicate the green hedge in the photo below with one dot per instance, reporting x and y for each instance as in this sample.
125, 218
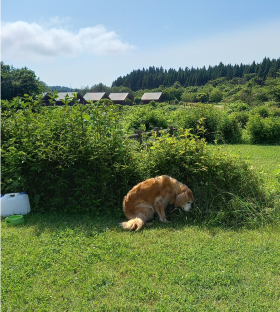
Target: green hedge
66, 158
146, 117
191, 117
230, 129
264, 130
75, 159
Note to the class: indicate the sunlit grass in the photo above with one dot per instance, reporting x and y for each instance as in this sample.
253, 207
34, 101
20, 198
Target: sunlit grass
264, 159
74, 263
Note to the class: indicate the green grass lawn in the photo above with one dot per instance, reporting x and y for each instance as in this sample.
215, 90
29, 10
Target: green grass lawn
55, 263
75, 263
264, 159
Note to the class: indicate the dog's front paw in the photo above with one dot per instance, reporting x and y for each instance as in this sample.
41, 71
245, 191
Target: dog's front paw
165, 221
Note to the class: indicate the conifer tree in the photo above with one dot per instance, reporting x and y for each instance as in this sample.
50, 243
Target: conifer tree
154, 77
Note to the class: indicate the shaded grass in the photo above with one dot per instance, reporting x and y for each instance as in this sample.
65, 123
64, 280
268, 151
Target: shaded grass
75, 263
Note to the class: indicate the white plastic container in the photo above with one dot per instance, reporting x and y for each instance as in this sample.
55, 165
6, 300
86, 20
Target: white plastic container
15, 204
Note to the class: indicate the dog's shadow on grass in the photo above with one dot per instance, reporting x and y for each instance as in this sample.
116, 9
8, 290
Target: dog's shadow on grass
91, 225
62, 222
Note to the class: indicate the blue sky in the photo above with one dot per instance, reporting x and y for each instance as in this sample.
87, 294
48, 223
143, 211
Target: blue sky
80, 43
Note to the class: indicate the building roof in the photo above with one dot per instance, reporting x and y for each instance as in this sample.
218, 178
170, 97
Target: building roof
61, 95
151, 96
118, 96
45, 94
94, 96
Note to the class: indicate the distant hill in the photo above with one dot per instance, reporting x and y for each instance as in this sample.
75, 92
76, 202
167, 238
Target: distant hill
154, 77
61, 89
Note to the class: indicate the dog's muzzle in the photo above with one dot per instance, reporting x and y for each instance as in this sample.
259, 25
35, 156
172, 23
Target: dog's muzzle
187, 207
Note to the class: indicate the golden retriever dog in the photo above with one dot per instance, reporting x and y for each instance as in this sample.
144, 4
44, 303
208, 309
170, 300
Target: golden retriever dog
152, 196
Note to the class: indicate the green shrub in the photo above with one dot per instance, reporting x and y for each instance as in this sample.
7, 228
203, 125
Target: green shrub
189, 97
272, 104
274, 111
146, 115
264, 130
216, 178
237, 106
202, 97
67, 158
215, 95
167, 108
75, 159
261, 110
104, 102
128, 101
241, 117
190, 118
230, 129
137, 101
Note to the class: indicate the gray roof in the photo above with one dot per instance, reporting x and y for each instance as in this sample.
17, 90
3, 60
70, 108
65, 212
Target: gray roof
151, 96
118, 96
94, 96
61, 95
45, 95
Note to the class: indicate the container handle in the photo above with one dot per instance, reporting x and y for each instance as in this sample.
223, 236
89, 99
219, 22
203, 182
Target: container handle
11, 194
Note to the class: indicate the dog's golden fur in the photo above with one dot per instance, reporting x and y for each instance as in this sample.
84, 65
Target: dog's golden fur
152, 196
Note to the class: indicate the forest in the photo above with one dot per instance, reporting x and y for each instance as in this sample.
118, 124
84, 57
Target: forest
253, 84
155, 77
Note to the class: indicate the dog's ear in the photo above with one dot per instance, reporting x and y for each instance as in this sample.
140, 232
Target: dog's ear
182, 199
190, 195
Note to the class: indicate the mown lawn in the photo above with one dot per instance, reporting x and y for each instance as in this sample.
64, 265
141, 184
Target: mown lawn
263, 158
55, 263
75, 263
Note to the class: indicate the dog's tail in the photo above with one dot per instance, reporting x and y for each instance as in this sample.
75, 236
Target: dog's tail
133, 224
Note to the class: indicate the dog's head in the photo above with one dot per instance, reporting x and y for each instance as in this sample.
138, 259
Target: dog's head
184, 200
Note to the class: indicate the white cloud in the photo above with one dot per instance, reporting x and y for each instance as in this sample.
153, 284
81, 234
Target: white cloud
31, 41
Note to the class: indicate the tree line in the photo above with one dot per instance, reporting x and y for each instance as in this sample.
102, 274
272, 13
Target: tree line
154, 77
17, 82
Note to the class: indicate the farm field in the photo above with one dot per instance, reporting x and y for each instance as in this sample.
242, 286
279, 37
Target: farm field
60, 262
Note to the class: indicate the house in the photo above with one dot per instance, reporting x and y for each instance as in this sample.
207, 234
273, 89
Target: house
152, 96
119, 98
62, 95
95, 96
46, 98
